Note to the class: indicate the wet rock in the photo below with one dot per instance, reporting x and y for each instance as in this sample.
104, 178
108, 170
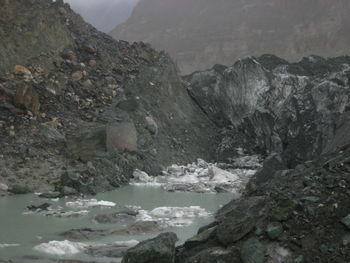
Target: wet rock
121, 216
19, 189
274, 230
252, 251
42, 207
67, 191
159, 249
51, 195
346, 221
85, 234
121, 136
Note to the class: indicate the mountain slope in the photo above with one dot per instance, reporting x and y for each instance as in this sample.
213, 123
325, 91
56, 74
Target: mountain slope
82, 110
201, 33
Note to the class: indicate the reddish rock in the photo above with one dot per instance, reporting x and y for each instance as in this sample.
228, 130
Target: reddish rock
21, 70
27, 98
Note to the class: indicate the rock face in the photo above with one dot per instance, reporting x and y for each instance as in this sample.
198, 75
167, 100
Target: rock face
299, 216
269, 105
199, 34
159, 249
83, 110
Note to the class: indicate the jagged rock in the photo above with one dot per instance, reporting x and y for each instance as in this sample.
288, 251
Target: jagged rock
239, 218
271, 165
159, 249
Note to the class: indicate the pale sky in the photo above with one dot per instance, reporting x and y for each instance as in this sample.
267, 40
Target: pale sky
103, 14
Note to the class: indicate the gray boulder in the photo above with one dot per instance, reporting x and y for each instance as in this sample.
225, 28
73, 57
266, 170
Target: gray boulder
160, 249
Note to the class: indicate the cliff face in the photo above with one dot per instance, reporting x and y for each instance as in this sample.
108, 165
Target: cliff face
201, 33
82, 110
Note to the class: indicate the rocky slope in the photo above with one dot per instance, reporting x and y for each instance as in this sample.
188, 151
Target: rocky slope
199, 34
80, 110
298, 215
295, 208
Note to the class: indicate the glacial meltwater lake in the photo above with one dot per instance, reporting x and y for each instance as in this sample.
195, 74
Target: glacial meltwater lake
25, 236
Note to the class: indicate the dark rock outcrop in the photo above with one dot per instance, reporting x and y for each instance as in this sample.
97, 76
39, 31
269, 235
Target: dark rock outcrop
268, 105
298, 216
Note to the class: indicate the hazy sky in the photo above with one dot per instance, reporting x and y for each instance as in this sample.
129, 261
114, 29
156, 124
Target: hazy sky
103, 14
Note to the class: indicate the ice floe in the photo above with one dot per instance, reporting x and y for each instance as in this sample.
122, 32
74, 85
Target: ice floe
61, 248
172, 216
8, 245
202, 176
89, 203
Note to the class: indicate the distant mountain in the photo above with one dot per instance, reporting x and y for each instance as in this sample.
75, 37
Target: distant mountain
200, 33
103, 14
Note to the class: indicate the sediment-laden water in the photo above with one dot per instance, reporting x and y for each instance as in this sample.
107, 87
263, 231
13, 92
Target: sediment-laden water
123, 217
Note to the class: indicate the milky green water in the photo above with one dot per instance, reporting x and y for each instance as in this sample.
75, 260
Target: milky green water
29, 230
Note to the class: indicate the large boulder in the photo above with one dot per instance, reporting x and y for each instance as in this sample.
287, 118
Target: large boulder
238, 218
160, 249
121, 136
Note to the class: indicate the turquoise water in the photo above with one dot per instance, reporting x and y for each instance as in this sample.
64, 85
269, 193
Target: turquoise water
29, 230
